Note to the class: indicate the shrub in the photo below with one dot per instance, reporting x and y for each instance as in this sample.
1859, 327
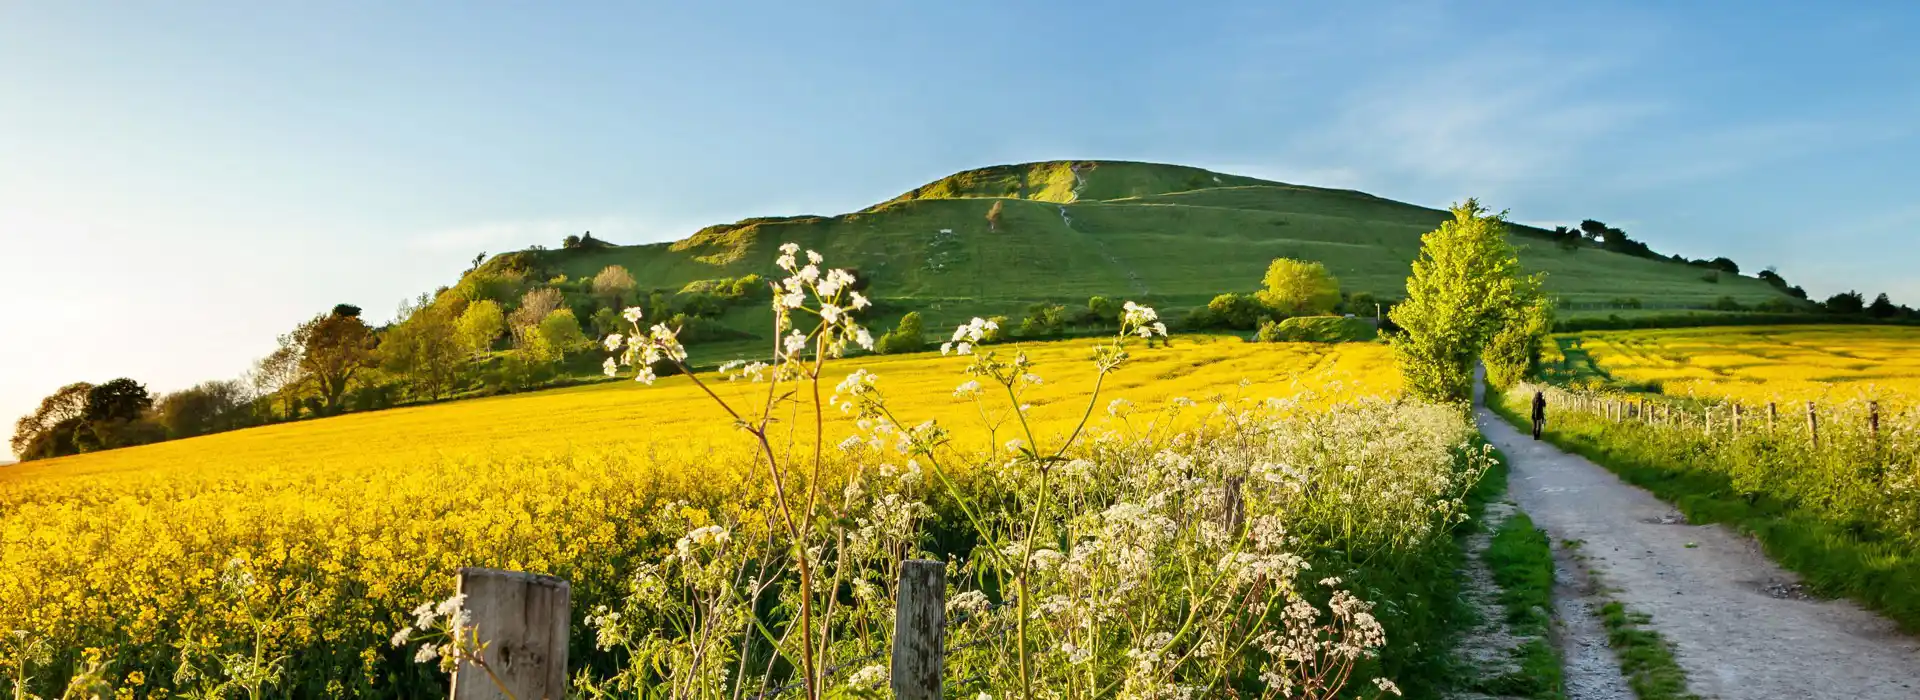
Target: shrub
908, 336
1317, 329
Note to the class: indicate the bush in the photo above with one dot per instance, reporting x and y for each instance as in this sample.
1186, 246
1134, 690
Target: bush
1317, 329
908, 336
1241, 312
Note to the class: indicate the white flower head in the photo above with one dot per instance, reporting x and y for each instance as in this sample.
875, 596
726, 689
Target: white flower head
632, 314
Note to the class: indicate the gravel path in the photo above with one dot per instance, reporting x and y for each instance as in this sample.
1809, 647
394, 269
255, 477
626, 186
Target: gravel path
1739, 627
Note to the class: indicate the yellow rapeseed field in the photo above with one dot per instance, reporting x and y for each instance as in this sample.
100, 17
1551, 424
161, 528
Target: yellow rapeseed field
1829, 364
342, 524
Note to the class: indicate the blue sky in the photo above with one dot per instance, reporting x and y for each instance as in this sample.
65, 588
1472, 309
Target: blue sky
180, 182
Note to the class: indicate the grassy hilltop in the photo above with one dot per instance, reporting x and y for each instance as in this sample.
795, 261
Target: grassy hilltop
1170, 234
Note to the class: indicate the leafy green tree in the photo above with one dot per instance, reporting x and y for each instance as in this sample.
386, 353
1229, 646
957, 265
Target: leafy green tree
208, 407
559, 335
607, 322
1103, 310
479, 326
120, 399
424, 347
1044, 320
908, 336
1465, 284
1299, 288
334, 349
1515, 349
48, 430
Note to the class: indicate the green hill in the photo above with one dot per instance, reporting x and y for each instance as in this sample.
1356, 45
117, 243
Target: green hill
1172, 235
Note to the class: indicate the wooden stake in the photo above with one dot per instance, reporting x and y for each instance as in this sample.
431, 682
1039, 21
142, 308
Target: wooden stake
522, 619
1873, 420
920, 630
1773, 415
1813, 425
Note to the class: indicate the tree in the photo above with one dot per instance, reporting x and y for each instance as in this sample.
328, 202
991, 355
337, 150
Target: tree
1514, 350
1846, 303
347, 310
1465, 284
1299, 288
424, 346
1104, 310
614, 285
1044, 320
908, 336
334, 348
534, 307
480, 325
48, 431
279, 373
208, 407
1883, 307
1724, 264
559, 334
120, 399
1237, 311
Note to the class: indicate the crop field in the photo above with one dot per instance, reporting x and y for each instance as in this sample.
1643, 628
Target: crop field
338, 526
1828, 364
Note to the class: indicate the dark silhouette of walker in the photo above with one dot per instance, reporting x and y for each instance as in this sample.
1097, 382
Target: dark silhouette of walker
1539, 413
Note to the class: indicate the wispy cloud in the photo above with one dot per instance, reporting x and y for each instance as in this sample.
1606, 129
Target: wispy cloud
1485, 120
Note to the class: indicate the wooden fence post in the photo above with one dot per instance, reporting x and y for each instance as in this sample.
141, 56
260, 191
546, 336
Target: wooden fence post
1736, 420
1773, 415
1233, 509
522, 618
1813, 425
919, 630
1873, 420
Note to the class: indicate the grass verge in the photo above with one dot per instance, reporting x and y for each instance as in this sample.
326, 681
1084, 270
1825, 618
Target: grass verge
1645, 657
1521, 560
1832, 559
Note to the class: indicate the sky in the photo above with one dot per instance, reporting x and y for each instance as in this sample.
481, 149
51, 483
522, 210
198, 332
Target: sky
182, 182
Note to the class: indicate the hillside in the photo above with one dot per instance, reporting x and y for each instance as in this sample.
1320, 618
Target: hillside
1173, 235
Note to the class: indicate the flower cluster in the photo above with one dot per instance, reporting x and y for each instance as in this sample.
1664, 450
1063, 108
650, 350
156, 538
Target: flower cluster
643, 350
827, 294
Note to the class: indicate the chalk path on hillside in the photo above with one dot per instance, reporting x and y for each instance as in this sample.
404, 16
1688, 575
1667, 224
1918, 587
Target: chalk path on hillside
1738, 630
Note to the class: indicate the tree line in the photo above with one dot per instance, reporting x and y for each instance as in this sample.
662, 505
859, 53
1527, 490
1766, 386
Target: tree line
498, 330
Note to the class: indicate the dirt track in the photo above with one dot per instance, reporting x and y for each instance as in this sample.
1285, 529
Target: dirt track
1739, 627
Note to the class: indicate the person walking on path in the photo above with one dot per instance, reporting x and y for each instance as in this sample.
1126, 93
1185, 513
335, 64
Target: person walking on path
1539, 413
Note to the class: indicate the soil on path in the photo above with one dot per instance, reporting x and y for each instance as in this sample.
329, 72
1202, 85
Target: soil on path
1734, 617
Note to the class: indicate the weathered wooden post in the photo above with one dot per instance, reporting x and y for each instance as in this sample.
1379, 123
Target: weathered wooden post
1736, 420
1873, 420
1773, 415
1233, 508
522, 619
919, 630
1813, 425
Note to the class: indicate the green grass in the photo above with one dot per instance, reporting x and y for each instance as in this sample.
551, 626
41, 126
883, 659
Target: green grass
1173, 236
1521, 560
1834, 559
1645, 657
1522, 565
